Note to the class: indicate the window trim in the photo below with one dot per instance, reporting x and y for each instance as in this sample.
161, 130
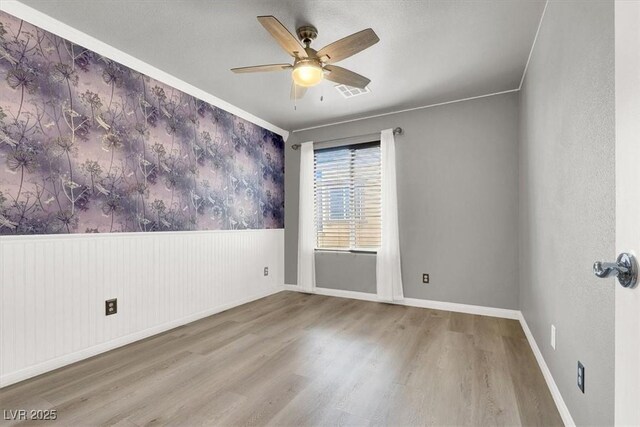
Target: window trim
353, 251
358, 146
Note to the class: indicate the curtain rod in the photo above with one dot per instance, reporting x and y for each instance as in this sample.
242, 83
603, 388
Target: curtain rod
396, 131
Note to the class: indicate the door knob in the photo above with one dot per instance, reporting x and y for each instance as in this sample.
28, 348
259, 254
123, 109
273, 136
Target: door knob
625, 268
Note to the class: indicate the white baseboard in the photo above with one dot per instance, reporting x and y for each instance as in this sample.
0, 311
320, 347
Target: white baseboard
336, 293
68, 359
504, 313
416, 302
553, 388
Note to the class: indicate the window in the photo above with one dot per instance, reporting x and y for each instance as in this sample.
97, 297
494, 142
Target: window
347, 197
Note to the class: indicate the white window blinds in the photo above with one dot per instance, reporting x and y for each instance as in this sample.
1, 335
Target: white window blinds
347, 197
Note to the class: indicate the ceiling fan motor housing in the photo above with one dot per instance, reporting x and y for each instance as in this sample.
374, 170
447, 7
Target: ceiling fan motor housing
307, 33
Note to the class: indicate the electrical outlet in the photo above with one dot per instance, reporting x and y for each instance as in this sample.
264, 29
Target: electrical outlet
110, 307
553, 337
266, 271
425, 278
580, 376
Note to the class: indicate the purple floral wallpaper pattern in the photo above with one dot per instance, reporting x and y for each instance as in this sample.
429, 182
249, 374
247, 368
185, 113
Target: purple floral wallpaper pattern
88, 145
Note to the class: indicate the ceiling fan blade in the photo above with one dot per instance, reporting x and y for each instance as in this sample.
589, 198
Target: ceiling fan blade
344, 76
348, 46
297, 92
284, 38
261, 68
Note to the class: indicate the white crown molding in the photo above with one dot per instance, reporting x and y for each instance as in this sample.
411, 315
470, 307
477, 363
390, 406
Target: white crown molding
46, 22
406, 110
535, 38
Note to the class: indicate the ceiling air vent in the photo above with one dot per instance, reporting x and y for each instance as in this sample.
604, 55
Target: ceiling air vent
350, 92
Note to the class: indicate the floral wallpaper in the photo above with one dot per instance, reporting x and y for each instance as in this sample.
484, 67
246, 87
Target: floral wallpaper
88, 145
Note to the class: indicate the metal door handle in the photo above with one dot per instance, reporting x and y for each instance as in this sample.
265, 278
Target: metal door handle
625, 268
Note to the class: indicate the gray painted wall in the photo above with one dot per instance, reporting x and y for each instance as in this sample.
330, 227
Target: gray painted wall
458, 203
346, 271
567, 201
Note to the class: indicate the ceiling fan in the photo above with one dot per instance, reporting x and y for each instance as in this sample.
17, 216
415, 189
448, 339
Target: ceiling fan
310, 66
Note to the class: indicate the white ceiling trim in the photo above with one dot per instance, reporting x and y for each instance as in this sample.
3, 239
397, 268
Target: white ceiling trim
54, 26
406, 110
533, 45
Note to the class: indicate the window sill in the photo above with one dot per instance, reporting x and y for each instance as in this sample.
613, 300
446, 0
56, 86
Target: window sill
349, 251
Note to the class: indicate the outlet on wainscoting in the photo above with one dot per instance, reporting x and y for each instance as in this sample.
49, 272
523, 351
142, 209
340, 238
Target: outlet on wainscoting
266, 271
110, 307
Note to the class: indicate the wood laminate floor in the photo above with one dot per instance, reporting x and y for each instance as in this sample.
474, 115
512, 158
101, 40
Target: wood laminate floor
297, 359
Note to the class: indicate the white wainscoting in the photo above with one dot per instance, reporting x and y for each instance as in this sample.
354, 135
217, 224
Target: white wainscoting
53, 289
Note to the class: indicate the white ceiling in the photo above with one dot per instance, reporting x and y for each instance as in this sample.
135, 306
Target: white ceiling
430, 51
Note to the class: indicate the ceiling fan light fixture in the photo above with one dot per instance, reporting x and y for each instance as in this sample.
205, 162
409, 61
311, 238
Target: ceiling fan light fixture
307, 73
